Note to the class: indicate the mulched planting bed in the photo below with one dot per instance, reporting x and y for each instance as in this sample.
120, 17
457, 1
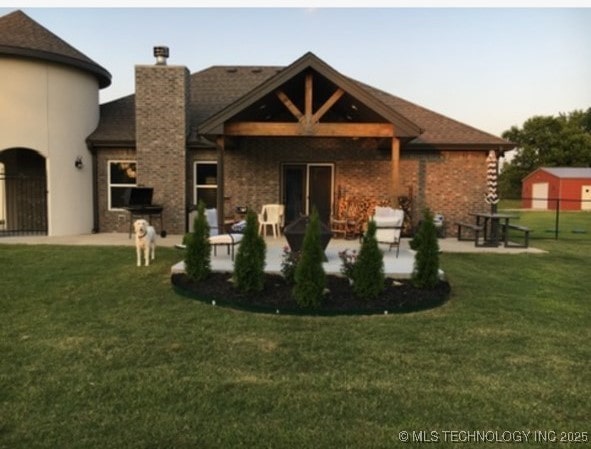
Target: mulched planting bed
398, 296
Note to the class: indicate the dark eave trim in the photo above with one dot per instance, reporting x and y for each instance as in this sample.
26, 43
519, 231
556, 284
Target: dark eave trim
94, 145
97, 144
103, 76
460, 147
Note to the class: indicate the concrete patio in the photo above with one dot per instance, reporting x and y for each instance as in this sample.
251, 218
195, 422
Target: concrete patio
398, 267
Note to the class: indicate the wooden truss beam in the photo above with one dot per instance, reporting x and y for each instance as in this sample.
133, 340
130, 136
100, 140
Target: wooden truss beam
308, 122
299, 129
327, 105
291, 107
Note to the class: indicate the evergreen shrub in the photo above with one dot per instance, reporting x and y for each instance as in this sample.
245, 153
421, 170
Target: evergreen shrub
310, 278
426, 266
368, 271
289, 262
249, 266
198, 252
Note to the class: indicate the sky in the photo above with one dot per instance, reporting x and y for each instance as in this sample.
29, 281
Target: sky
490, 67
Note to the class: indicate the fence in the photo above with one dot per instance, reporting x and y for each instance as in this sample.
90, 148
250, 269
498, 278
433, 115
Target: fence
555, 218
23, 205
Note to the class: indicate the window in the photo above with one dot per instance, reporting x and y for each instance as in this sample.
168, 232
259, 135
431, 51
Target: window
122, 175
206, 183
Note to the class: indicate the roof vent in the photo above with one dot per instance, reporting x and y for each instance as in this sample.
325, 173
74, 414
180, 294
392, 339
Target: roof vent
161, 54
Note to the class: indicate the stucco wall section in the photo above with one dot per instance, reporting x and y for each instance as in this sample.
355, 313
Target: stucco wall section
51, 109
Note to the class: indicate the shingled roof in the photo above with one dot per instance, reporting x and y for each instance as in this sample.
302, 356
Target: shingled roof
23, 37
439, 130
568, 172
220, 88
309, 63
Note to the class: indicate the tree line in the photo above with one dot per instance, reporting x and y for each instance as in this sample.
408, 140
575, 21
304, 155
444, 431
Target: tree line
546, 141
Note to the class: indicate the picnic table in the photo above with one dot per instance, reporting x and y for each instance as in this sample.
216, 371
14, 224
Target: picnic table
495, 227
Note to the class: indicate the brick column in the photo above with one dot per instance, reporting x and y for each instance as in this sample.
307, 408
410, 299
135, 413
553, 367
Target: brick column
161, 119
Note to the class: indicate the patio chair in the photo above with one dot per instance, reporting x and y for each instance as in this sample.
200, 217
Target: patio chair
338, 226
271, 215
389, 226
211, 215
338, 220
215, 238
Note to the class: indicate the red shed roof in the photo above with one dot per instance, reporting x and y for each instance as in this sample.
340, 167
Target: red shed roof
568, 172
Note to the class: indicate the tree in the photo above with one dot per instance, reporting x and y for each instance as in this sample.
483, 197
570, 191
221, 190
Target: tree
426, 267
310, 278
546, 141
249, 267
198, 256
368, 272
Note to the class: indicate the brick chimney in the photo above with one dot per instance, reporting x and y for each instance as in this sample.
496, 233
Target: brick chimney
161, 120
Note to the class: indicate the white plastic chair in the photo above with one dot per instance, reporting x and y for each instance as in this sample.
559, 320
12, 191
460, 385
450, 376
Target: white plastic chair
389, 226
271, 215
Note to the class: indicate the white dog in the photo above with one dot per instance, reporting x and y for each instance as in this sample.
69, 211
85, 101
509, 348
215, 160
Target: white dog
145, 240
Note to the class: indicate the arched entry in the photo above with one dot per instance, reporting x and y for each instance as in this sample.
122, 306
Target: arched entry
23, 192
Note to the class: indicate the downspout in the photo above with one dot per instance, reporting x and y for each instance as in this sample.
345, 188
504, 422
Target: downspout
95, 218
220, 148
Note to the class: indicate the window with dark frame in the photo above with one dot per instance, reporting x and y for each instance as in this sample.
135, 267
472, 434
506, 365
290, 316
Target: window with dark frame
122, 175
206, 183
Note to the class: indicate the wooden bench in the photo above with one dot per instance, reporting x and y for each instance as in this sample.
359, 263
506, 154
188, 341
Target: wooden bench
525, 230
476, 229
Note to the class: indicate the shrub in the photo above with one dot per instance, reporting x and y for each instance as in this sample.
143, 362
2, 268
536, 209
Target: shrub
310, 278
198, 254
426, 266
368, 271
415, 242
348, 259
289, 263
249, 266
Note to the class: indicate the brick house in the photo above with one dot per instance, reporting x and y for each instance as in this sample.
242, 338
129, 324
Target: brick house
303, 135
300, 135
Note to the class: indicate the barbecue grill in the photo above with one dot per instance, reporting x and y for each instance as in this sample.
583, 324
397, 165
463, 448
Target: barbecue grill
138, 202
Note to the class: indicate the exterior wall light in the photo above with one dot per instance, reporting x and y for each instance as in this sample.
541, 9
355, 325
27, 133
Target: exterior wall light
78, 163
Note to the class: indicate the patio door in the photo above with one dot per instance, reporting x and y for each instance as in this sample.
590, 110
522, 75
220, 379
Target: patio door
305, 186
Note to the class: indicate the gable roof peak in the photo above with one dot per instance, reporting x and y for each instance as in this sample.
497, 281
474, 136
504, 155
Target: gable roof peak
404, 127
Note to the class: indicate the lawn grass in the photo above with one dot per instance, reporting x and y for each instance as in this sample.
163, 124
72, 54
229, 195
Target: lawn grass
98, 353
572, 225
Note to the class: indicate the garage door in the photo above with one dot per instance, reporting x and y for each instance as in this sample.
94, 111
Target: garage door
539, 195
